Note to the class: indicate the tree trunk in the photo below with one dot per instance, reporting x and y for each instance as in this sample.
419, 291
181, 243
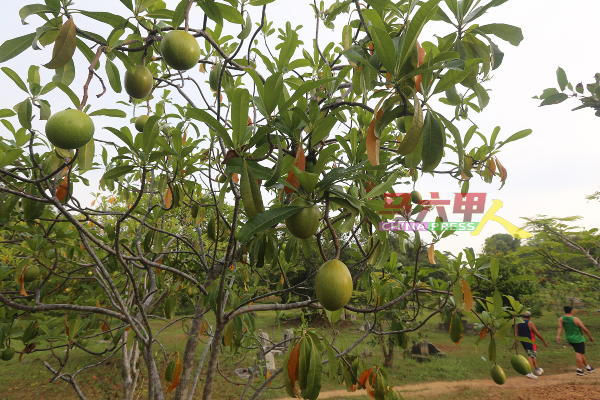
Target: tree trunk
189, 353
130, 371
155, 391
212, 362
388, 356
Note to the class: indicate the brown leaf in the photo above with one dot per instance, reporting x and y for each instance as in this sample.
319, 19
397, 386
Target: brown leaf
184, 138
168, 198
229, 155
202, 68
176, 374
502, 170
105, 327
483, 333
22, 281
364, 376
492, 166
64, 46
112, 199
236, 178
431, 254
63, 189
249, 121
373, 143
267, 378
300, 163
293, 365
467, 295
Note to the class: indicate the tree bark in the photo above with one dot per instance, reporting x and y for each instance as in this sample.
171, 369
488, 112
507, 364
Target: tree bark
388, 356
130, 371
212, 362
155, 391
189, 353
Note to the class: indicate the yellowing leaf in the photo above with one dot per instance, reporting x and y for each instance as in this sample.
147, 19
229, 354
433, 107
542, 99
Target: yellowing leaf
228, 338
168, 198
63, 189
176, 374
373, 143
468, 296
431, 254
299, 163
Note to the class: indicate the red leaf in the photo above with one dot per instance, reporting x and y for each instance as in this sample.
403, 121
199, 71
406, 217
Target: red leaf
293, 371
63, 189
419, 78
176, 374
502, 170
373, 141
364, 376
300, 163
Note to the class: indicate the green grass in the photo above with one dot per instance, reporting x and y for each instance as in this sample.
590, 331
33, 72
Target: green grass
463, 362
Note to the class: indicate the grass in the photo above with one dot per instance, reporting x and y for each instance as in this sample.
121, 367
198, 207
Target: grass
463, 362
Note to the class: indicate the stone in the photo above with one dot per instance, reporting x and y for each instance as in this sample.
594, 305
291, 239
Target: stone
243, 373
270, 361
263, 337
363, 328
342, 317
288, 334
424, 348
352, 317
367, 352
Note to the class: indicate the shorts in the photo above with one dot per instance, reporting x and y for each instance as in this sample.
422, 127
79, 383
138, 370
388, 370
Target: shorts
531, 353
578, 347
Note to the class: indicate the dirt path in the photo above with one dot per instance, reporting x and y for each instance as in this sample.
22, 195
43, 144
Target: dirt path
512, 385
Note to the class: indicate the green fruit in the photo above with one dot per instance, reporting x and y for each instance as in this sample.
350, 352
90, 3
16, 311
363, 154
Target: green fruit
31, 273
520, 364
415, 197
140, 122
309, 166
180, 50
304, 223
191, 291
69, 129
222, 178
139, 84
194, 210
333, 285
83, 342
8, 354
498, 375
106, 336
401, 124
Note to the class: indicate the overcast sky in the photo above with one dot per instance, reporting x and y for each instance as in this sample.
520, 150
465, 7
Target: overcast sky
550, 172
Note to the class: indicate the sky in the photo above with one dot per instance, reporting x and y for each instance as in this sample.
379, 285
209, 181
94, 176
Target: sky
550, 172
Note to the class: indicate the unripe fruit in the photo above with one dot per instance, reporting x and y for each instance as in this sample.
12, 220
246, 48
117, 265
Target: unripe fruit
138, 84
8, 354
140, 122
333, 285
498, 375
180, 50
415, 197
401, 124
106, 336
309, 166
304, 223
69, 129
520, 364
31, 273
83, 342
222, 178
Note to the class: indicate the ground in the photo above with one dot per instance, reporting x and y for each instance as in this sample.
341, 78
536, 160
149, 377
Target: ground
463, 374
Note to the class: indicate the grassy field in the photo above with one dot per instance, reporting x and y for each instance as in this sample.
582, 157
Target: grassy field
29, 379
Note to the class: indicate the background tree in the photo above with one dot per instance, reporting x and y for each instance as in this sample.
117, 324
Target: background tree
221, 174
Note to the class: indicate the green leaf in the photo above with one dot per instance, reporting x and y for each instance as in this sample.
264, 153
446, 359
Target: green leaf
383, 187
34, 9
230, 14
433, 143
87, 52
25, 111
69, 93
411, 140
451, 78
7, 112
126, 60
479, 11
114, 78
65, 74
264, 220
247, 28
117, 172
208, 119
15, 78
494, 268
260, 2
482, 95
85, 159
519, 135
554, 99
457, 140
160, 14
520, 278
13, 47
239, 114
422, 16
179, 14
277, 170
272, 92
64, 46
303, 89
212, 11
110, 112
511, 34
307, 180
385, 49
113, 20
561, 76
151, 131
492, 350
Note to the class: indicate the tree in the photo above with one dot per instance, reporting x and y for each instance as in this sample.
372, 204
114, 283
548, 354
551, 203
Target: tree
201, 197
553, 96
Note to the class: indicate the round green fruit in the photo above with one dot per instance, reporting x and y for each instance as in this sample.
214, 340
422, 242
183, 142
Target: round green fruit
415, 197
106, 336
83, 342
191, 291
180, 50
401, 124
520, 364
309, 166
31, 273
498, 375
333, 285
69, 129
8, 353
139, 84
304, 223
140, 122
222, 178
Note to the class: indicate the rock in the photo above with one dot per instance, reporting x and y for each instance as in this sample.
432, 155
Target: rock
270, 361
367, 352
244, 373
342, 317
287, 335
352, 317
263, 337
363, 328
424, 348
